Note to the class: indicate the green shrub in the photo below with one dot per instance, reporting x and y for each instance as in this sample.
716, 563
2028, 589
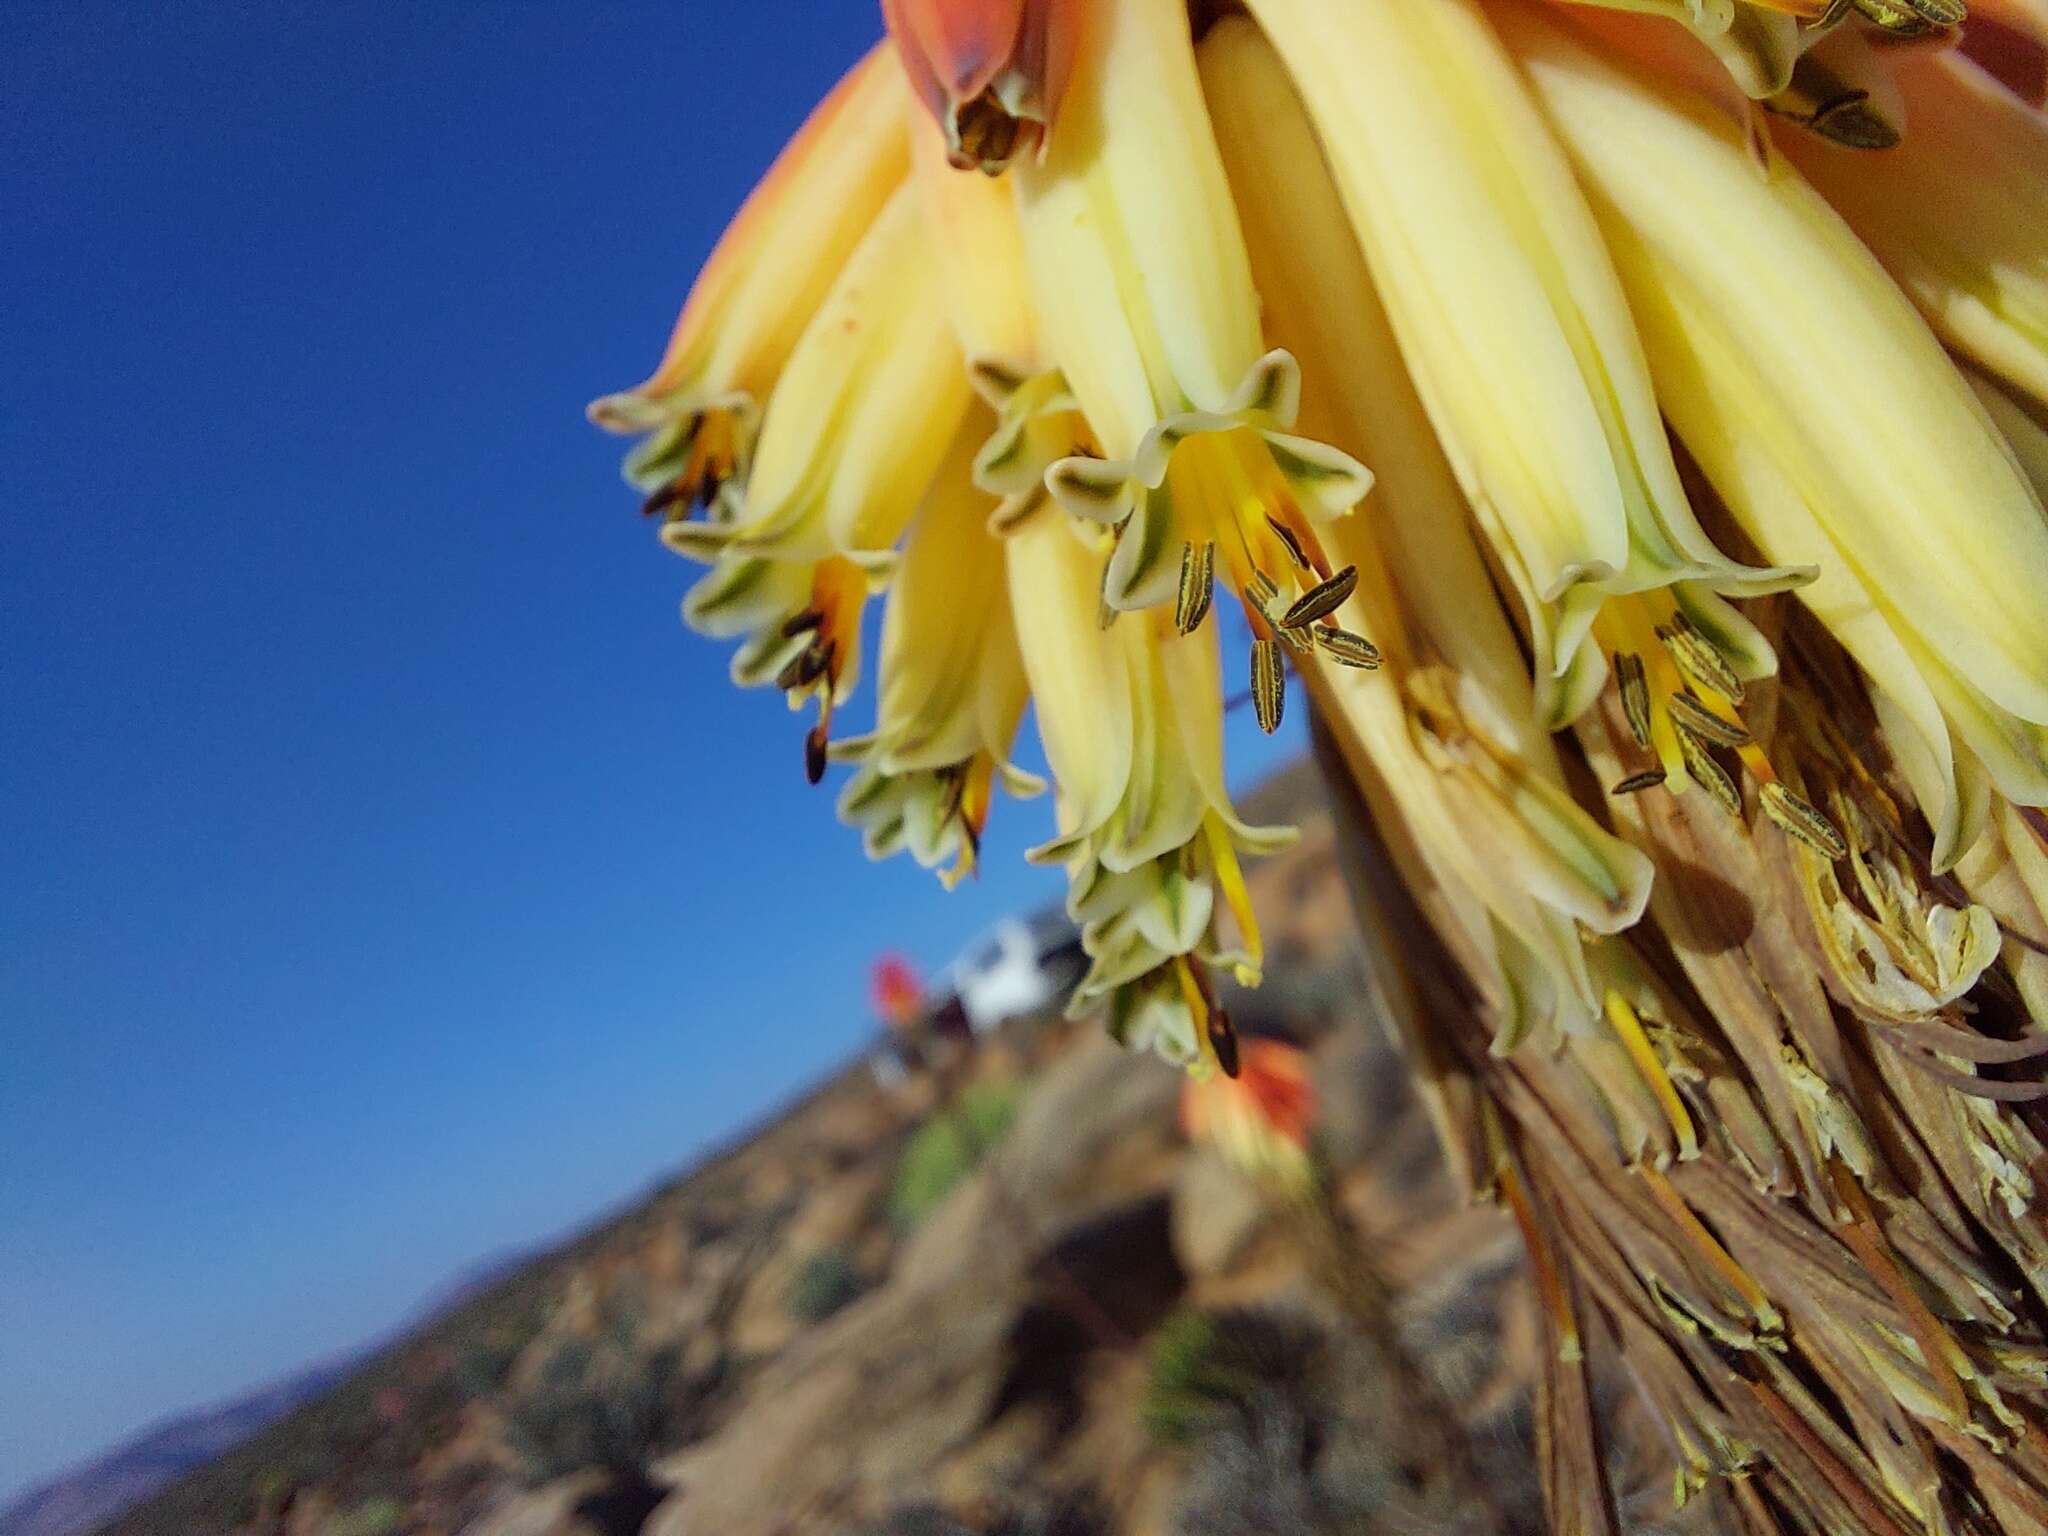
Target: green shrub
946, 1148
1205, 1367
826, 1282
598, 1400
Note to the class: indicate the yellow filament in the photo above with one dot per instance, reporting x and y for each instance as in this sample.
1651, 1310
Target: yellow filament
1205, 1064
1230, 875
1709, 1248
1630, 1031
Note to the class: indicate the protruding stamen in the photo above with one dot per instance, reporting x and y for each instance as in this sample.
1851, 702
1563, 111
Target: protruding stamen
1803, 821
1292, 540
1347, 649
1260, 588
1223, 1041
1693, 717
1628, 1028
1699, 658
802, 621
816, 741
1323, 598
1708, 774
802, 669
1635, 695
1636, 783
1197, 586
1269, 684
1237, 896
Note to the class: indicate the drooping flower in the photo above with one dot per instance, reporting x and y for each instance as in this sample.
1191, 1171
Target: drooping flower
1745, 330
1509, 315
770, 272
990, 72
1449, 720
1132, 722
951, 685
1749, 1065
1147, 308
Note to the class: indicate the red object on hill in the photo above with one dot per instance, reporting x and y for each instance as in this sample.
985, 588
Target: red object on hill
897, 994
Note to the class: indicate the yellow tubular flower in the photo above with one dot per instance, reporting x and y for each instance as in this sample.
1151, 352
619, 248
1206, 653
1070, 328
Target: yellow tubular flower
1934, 548
1131, 719
1507, 310
979, 246
987, 288
1955, 212
1451, 725
861, 417
801, 620
951, 684
1146, 305
770, 272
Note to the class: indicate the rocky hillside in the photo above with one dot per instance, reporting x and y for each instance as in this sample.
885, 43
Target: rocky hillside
1005, 1297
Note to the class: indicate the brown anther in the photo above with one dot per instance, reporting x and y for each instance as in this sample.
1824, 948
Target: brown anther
1802, 821
1347, 649
1269, 684
1223, 1039
816, 740
675, 491
1262, 590
1700, 659
987, 133
1708, 774
1293, 542
1197, 586
1323, 598
1636, 783
1689, 714
802, 669
798, 623
1635, 695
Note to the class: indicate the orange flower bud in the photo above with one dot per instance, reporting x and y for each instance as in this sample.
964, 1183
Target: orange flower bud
990, 71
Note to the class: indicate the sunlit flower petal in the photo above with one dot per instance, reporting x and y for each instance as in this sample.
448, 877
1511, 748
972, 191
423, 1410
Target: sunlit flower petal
1147, 308
1956, 213
771, 270
1778, 308
1449, 721
1507, 309
1130, 714
951, 683
863, 413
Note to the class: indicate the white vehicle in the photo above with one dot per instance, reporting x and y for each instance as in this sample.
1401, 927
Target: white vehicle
1022, 965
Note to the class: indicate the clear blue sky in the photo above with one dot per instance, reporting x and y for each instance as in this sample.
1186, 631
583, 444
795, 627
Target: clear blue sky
385, 876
